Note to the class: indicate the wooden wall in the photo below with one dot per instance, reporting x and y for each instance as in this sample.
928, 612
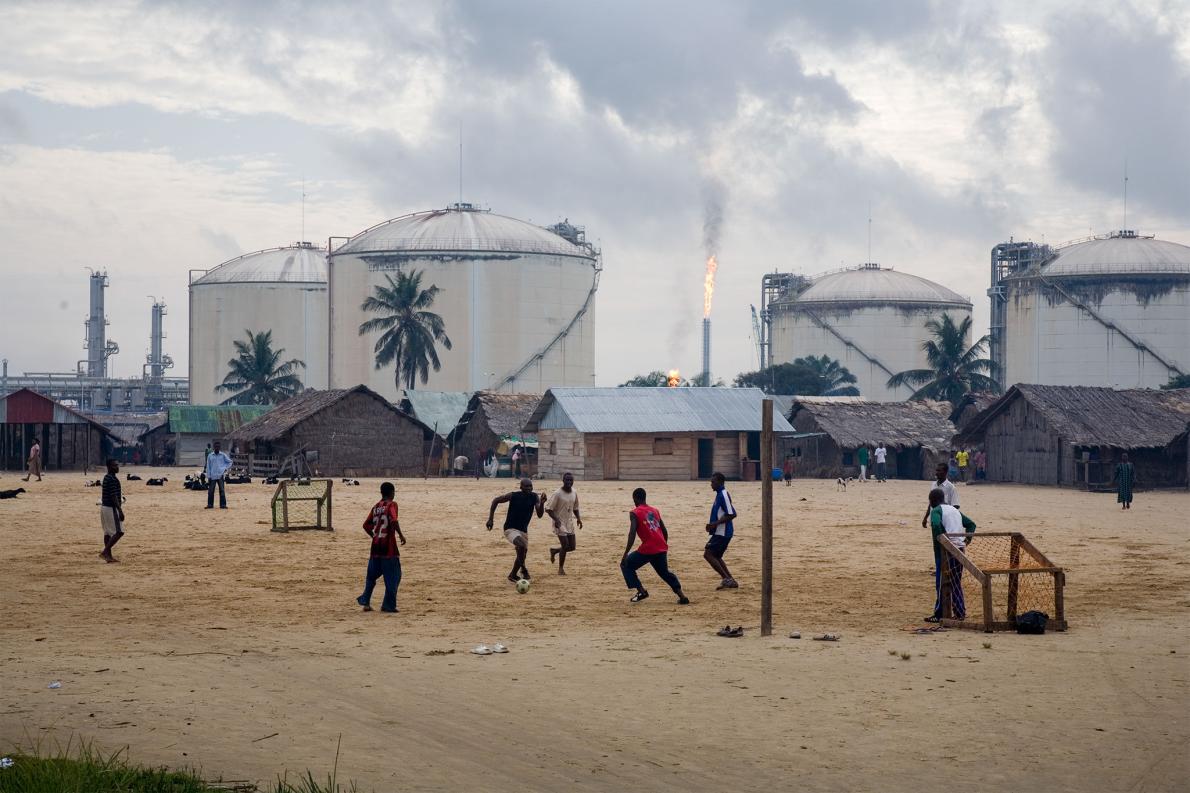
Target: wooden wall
63, 446
561, 450
730, 448
1022, 448
358, 436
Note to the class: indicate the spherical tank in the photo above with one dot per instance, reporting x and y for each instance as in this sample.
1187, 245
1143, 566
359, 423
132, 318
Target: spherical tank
517, 300
281, 289
869, 318
1110, 311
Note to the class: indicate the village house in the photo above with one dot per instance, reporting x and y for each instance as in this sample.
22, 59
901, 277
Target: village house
829, 431
650, 433
189, 429
495, 422
69, 440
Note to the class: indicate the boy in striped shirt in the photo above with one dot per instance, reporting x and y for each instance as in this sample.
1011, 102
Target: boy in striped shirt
111, 512
721, 530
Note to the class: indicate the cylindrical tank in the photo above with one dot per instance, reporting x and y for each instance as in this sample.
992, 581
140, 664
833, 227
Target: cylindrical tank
517, 300
869, 318
280, 289
1110, 311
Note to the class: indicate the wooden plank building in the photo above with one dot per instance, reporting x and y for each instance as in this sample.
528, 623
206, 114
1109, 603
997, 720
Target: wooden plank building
188, 429
1074, 435
650, 433
355, 431
69, 440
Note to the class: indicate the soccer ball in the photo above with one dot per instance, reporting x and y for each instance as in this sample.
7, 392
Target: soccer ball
522, 586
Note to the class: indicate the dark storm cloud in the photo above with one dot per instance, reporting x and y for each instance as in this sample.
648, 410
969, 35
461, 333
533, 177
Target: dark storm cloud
1116, 92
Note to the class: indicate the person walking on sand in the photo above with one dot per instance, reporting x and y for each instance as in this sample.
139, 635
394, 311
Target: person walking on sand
111, 511
787, 470
1125, 476
521, 506
34, 461
949, 491
721, 528
963, 457
881, 466
384, 561
645, 522
562, 508
863, 463
216, 469
945, 519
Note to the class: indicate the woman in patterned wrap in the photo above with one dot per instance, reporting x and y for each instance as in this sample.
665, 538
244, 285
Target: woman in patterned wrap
1125, 475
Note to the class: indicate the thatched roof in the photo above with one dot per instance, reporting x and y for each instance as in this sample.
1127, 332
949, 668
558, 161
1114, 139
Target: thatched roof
293, 411
970, 406
852, 422
506, 414
1089, 416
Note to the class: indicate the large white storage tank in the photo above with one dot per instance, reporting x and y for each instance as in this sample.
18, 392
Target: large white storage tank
869, 318
281, 289
1111, 311
517, 300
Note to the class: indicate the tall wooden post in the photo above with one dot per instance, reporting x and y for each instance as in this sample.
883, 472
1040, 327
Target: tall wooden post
766, 518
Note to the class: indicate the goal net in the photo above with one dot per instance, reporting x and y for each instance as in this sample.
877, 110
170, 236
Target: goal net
998, 577
302, 504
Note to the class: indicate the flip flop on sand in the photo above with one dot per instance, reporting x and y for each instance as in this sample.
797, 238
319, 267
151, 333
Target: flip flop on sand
827, 637
724, 631
499, 648
482, 649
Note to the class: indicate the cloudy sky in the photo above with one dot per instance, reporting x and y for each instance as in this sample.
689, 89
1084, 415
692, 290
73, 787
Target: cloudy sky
155, 138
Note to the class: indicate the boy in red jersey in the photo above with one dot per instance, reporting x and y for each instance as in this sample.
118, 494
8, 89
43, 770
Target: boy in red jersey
384, 529
645, 522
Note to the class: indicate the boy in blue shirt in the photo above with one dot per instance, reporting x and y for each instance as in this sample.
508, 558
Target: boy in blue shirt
721, 530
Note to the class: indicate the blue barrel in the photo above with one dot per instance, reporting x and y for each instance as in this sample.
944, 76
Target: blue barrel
778, 474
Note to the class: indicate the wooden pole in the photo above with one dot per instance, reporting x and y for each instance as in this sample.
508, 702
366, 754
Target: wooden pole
766, 518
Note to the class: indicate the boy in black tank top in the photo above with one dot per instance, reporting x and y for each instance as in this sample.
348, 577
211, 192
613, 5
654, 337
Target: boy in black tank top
521, 506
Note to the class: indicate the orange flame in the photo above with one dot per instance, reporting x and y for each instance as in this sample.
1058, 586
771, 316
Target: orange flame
708, 285
673, 378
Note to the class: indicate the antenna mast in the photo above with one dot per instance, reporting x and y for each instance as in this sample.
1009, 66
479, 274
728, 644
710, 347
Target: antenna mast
303, 207
1125, 194
869, 232
460, 163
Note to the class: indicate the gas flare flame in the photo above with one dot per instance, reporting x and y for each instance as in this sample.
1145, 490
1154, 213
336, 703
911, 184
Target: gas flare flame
673, 378
708, 285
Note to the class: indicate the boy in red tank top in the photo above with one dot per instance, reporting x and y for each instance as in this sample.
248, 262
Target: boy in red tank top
645, 522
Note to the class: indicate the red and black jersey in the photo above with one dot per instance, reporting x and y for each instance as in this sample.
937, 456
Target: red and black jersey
381, 524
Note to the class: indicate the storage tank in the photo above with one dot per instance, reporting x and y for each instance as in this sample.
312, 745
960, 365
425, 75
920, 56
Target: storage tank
869, 318
1108, 311
280, 289
517, 300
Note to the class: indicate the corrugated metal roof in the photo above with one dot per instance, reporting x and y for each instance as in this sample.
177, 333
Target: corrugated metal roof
874, 284
1120, 255
25, 406
460, 230
658, 409
301, 263
441, 408
212, 419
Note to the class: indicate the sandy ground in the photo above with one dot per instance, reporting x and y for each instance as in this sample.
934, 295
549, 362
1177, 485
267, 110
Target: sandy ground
218, 644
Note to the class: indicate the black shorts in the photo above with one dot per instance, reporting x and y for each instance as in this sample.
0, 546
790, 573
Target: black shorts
717, 545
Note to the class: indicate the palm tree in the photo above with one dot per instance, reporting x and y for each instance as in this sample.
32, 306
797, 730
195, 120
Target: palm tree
833, 378
955, 369
257, 375
411, 332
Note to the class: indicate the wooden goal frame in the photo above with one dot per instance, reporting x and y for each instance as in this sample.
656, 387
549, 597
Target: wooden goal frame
282, 498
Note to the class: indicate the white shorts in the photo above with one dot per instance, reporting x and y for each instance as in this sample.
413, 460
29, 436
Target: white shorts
513, 534
564, 530
112, 525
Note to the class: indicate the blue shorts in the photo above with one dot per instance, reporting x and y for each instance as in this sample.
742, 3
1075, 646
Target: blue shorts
717, 545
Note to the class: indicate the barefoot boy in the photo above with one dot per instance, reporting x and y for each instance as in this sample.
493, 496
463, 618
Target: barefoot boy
563, 510
111, 511
521, 506
385, 560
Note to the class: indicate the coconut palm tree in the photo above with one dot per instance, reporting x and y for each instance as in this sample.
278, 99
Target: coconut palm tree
834, 379
411, 332
257, 375
954, 368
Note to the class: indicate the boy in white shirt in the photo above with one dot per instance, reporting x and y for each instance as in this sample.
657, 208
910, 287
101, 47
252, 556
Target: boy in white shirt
945, 519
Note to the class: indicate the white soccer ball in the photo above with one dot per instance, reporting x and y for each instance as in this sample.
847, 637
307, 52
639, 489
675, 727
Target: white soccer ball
522, 585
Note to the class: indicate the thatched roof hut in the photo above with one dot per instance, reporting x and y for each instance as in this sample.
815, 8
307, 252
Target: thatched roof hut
355, 431
496, 421
1073, 435
829, 431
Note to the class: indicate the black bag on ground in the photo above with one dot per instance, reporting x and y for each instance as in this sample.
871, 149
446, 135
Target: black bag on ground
1032, 622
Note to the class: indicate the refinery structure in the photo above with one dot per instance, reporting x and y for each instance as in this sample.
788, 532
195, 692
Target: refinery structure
870, 318
1111, 311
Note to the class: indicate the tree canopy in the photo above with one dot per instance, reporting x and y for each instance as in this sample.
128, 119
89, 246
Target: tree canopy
411, 332
808, 376
257, 375
954, 368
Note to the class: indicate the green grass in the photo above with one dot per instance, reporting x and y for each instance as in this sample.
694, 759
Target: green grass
84, 769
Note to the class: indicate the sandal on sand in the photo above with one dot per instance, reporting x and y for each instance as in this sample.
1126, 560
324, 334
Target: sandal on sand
499, 648
724, 631
737, 633
482, 649
827, 637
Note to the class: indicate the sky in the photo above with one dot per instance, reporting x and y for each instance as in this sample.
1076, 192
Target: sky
150, 139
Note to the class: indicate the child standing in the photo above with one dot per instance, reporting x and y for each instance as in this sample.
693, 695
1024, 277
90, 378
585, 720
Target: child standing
111, 512
945, 519
385, 560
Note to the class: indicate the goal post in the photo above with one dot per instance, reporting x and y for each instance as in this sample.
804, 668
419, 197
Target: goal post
995, 579
302, 504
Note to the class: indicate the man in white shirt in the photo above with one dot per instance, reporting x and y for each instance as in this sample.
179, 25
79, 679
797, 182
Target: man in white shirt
881, 469
947, 520
949, 491
562, 508
216, 469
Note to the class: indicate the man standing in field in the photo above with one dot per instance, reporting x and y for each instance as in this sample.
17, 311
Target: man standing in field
563, 510
863, 463
34, 461
721, 528
945, 519
964, 458
216, 469
645, 522
950, 494
111, 511
384, 562
521, 506
881, 466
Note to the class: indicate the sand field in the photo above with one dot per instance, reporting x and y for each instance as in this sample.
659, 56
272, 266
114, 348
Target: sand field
218, 644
